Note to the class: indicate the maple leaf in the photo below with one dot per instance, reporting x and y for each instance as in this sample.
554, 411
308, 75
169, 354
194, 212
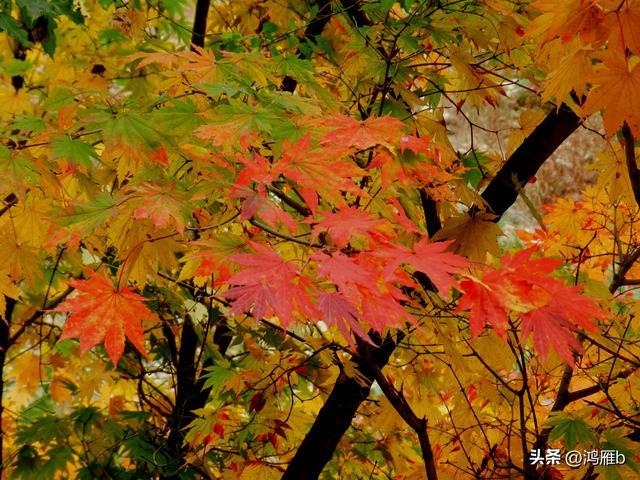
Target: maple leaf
308, 167
629, 18
163, 204
348, 132
416, 145
343, 270
399, 215
269, 286
573, 69
165, 60
199, 63
564, 19
549, 309
474, 236
484, 303
100, 312
551, 327
382, 310
257, 169
346, 223
259, 205
337, 310
430, 258
211, 258
616, 92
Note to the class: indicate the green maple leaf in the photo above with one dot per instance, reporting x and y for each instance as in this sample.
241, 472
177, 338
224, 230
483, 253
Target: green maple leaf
573, 430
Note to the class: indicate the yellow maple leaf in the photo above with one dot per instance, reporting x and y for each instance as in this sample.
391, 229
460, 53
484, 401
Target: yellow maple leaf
613, 177
59, 391
616, 92
570, 17
628, 32
569, 69
26, 368
474, 236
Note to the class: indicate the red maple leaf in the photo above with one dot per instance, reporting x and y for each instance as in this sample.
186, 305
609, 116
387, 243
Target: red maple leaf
346, 223
337, 310
100, 312
553, 325
343, 270
258, 204
484, 303
430, 258
550, 310
164, 205
269, 285
308, 167
256, 169
383, 310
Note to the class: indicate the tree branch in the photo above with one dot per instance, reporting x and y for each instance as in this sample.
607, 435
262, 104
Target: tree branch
525, 162
314, 28
200, 23
431, 218
334, 418
419, 425
5, 322
630, 157
10, 201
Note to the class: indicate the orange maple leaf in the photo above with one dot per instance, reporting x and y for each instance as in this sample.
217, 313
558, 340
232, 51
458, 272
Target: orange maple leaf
100, 312
616, 93
348, 132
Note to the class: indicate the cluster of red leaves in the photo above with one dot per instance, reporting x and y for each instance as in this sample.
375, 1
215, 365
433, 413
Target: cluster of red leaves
550, 311
357, 291
346, 289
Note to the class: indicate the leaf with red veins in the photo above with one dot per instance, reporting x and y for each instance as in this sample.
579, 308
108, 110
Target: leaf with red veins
256, 169
485, 305
430, 258
416, 145
164, 205
257, 204
550, 330
383, 310
346, 132
336, 310
345, 224
343, 270
100, 312
308, 167
269, 286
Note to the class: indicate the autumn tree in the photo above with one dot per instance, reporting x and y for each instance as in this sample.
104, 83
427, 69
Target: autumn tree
260, 239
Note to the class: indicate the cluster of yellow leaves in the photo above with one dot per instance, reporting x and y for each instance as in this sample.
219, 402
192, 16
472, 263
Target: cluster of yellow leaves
601, 62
